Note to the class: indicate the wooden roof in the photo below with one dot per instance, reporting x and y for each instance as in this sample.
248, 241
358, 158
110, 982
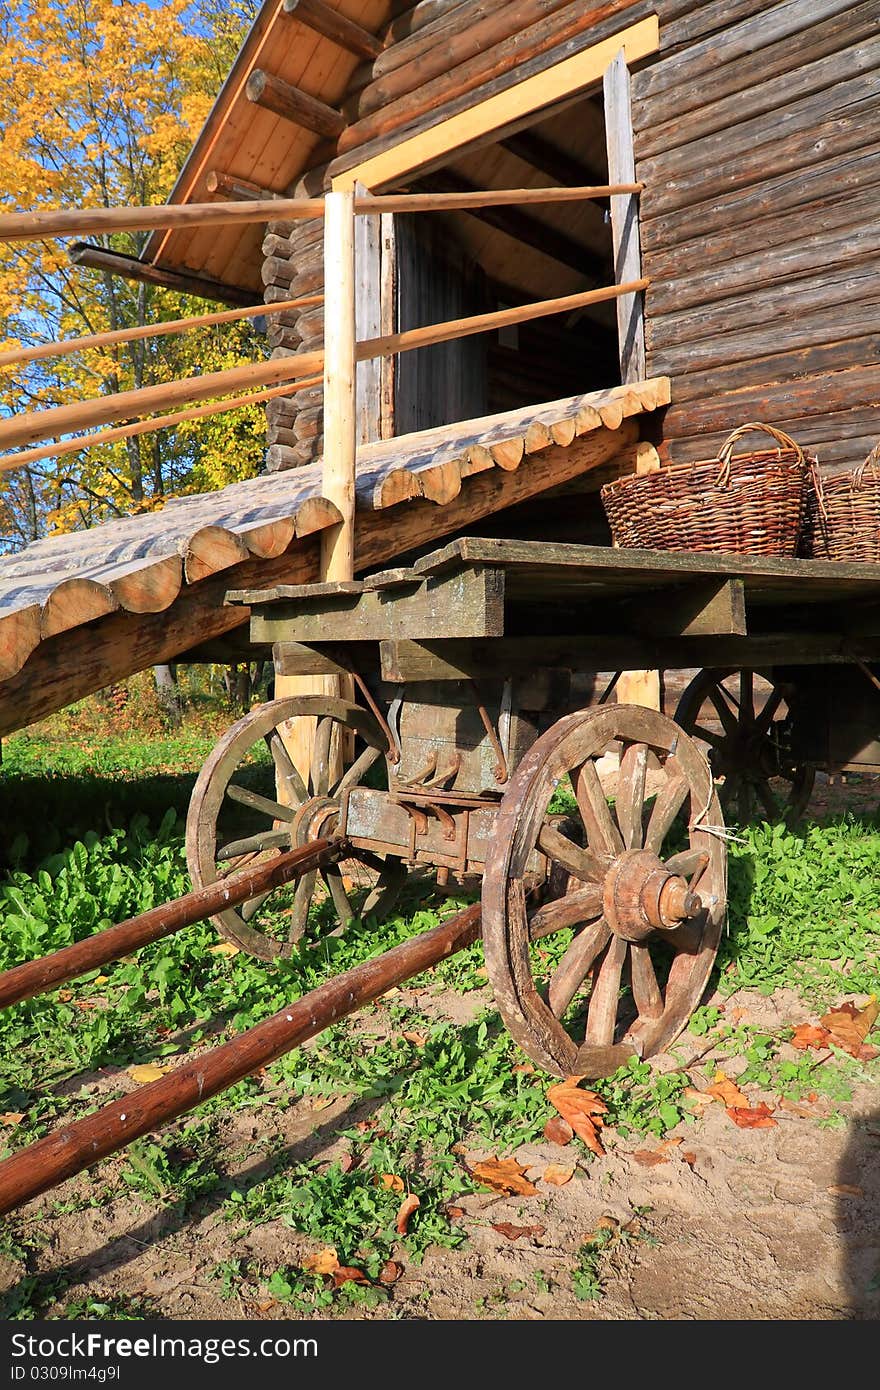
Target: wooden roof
147, 583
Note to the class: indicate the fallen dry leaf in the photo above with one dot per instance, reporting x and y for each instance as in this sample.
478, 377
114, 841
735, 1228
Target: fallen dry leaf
525, 1067
269, 1303
582, 1109
809, 1035
324, 1261
346, 1163
224, 948
792, 1108
557, 1174
346, 1274
759, 1117
727, 1092
846, 1189
454, 1213
417, 1039
324, 1102
558, 1131
696, 1097
405, 1211
390, 1272
504, 1228
689, 1158
12, 1117
392, 1182
649, 1158
65, 995
850, 1025
101, 979
148, 1071
504, 1175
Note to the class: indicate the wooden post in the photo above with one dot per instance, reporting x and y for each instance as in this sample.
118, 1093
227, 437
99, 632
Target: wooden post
340, 450
368, 320
624, 218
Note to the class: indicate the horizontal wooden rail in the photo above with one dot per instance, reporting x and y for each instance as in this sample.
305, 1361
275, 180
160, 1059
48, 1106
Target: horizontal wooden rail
149, 426
37, 424
32, 226
17, 356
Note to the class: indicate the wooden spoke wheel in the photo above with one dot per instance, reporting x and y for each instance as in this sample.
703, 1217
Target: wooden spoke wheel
642, 883
238, 816
743, 721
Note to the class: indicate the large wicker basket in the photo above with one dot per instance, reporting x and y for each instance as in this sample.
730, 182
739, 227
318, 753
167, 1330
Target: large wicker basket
843, 514
752, 503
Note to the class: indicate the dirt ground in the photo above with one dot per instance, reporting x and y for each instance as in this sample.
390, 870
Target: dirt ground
730, 1223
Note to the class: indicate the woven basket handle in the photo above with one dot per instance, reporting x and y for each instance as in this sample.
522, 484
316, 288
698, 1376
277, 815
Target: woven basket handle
871, 462
725, 453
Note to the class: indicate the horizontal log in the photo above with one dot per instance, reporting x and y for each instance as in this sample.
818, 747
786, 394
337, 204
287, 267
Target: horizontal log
753, 80
282, 99
130, 268
781, 367
467, 198
16, 356
19, 635
242, 190
417, 17
36, 976
804, 397
323, 19
528, 44
396, 53
82, 1143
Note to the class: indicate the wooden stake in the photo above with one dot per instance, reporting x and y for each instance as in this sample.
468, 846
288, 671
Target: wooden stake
624, 218
340, 414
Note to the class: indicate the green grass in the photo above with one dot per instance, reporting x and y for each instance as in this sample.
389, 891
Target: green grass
803, 914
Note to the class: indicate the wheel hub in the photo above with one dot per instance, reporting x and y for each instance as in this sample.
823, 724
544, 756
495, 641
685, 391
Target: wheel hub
316, 819
640, 896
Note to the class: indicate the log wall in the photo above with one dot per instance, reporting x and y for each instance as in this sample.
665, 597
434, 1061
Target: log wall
757, 134
293, 257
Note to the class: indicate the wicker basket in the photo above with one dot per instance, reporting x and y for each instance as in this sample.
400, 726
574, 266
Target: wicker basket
752, 503
843, 514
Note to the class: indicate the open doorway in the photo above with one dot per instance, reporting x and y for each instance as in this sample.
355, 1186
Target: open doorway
456, 264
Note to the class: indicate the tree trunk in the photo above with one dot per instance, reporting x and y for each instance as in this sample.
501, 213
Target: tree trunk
169, 693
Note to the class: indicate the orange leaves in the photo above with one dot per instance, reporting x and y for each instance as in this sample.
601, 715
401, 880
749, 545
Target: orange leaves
12, 1118
760, 1117
504, 1228
583, 1110
409, 1204
727, 1092
845, 1027
649, 1158
324, 1261
504, 1175
557, 1174
392, 1182
558, 1131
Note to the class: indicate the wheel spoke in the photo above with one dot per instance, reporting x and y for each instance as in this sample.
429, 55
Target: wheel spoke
767, 799
253, 844
344, 910
646, 991
572, 970
246, 797
320, 777
602, 1011
725, 713
577, 907
285, 767
252, 906
687, 862
359, 767
581, 862
302, 901
667, 805
630, 800
746, 698
765, 718
602, 833
707, 735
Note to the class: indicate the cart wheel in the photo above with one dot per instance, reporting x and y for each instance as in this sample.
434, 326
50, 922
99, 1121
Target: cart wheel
643, 888
235, 818
743, 720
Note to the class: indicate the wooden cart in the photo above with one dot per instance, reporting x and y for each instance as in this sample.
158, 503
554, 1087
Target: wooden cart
472, 747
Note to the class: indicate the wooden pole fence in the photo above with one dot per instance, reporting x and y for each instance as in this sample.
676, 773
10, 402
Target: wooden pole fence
150, 426
34, 425
32, 226
17, 356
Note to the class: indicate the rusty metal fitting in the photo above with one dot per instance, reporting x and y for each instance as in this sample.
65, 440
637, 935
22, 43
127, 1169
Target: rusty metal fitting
316, 818
640, 896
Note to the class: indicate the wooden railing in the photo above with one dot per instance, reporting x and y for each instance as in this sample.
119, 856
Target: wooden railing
256, 382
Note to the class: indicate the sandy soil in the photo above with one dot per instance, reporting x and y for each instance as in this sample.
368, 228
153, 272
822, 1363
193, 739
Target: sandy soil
782, 1222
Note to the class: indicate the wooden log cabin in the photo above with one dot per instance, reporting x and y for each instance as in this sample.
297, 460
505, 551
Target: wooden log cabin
750, 127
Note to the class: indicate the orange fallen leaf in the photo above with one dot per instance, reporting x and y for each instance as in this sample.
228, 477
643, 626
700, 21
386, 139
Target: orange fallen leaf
346, 1163
582, 1109
558, 1131
392, 1182
689, 1158
405, 1211
323, 1102
504, 1175
649, 1158
809, 1035
148, 1071
758, 1117
324, 1261
846, 1189
347, 1274
727, 1092
850, 1025
524, 1067
269, 1303
454, 1213
12, 1117
390, 1272
792, 1108
224, 948
696, 1097
557, 1174
417, 1039
65, 995
504, 1228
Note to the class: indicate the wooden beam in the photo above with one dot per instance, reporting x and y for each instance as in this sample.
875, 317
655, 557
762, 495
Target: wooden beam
624, 217
130, 268
467, 197
369, 323
334, 26
228, 186
519, 225
266, 90
340, 415
548, 159
711, 608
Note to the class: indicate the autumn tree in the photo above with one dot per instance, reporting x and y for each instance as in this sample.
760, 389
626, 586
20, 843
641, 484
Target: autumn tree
100, 101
